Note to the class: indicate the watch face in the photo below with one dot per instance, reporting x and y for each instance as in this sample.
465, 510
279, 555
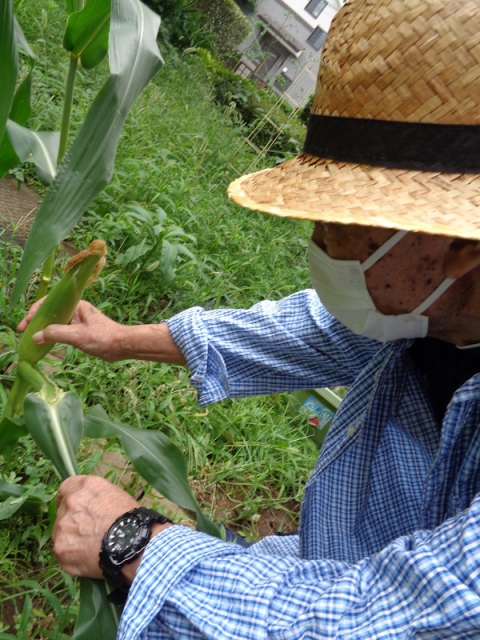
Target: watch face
125, 540
122, 535
126, 536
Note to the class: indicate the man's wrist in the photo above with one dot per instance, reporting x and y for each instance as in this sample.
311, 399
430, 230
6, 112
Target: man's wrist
129, 570
151, 342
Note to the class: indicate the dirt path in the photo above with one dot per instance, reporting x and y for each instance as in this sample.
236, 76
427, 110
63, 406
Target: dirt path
18, 207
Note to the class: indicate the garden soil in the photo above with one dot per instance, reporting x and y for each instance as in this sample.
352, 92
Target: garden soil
18, 206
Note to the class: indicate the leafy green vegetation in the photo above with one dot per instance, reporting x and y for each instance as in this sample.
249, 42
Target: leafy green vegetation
218, 25
227, 24
181, 24
174, 241
270, 123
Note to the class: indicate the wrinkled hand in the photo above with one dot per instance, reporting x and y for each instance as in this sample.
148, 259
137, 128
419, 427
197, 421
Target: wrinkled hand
86, 507
92, 332
89, 330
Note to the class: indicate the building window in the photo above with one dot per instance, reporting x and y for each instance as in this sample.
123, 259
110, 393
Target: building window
315, 7
243, 70
317, 38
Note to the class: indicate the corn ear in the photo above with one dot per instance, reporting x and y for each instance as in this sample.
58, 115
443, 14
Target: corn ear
60, 304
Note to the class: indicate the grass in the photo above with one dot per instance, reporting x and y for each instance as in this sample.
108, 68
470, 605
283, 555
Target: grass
179, 150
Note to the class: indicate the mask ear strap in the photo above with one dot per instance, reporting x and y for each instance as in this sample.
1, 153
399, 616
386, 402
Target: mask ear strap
433, 297
381, 251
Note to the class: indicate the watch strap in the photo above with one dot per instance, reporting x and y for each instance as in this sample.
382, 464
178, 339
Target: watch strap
118, 597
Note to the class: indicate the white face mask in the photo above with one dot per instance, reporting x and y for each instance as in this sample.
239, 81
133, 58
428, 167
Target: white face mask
341, 286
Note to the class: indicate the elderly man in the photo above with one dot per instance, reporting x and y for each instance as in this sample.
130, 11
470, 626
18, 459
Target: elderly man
389, 539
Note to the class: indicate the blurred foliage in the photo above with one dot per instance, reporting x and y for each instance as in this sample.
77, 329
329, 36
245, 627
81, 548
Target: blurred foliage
182, 24
227, 24
304, 114
250, 5
250, 104
216, 25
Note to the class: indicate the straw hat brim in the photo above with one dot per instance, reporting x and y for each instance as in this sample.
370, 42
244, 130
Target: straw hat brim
311, 188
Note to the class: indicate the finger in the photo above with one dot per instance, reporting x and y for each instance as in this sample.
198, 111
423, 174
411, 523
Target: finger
31, 312
64, 333
68, 487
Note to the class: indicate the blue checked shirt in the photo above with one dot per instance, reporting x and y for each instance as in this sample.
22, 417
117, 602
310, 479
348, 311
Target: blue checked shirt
389, 543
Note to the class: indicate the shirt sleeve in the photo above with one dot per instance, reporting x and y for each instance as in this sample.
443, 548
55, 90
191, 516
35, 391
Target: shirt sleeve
426, 585
273, 347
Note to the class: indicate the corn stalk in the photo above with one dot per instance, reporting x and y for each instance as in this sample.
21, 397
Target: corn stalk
76, 171
88, 163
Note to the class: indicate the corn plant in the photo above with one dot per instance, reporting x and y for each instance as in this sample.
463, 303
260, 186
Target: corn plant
75, 172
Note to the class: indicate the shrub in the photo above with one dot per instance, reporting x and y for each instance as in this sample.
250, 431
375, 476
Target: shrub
251, 4
249, 104
216, 25
182, 24
227, 24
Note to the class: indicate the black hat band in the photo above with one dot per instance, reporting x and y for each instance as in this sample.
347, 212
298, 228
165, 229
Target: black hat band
415, 146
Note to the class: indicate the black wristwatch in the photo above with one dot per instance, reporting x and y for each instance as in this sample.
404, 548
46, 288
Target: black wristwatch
123, 542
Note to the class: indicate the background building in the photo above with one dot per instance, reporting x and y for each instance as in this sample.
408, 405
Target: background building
285, 47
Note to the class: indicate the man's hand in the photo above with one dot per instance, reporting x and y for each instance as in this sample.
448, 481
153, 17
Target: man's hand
89, 330
94, 333
86, 507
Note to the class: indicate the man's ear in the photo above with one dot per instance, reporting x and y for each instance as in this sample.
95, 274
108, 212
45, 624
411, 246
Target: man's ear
462, 257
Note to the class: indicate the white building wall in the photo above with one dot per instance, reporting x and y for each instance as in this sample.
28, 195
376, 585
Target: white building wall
324, 19
299, 24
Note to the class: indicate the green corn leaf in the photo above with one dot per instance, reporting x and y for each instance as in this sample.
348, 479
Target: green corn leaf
11, 429
22, 41
56, 427
21, 106
40, 147
88, 164
8, 61
19, 113
97, 618
15, 497
86, 36
71, 6
155, 458
34, 500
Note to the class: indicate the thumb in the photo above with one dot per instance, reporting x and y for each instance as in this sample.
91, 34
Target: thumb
55, 333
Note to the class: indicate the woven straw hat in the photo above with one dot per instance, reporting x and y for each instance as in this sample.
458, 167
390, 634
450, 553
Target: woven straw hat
394, 138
